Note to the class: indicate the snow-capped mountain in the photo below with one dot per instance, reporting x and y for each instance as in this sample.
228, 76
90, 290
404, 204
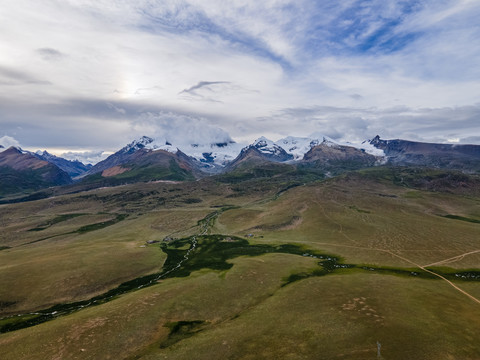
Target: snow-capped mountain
211, 154
135, 145
215, 156
271, 149
299, 146
177, 158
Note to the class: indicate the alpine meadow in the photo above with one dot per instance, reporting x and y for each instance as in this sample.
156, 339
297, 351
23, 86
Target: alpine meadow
240, 180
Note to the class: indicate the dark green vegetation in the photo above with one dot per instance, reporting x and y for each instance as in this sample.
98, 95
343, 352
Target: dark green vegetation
101, 225
187, 255
180, 330
29, 180
463, 218
257, 267
54, 221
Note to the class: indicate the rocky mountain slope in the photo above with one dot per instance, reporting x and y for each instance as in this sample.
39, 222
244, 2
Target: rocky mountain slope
23, 172
72, 168
443, 156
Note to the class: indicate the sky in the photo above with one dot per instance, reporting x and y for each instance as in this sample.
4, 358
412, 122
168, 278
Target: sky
85, 77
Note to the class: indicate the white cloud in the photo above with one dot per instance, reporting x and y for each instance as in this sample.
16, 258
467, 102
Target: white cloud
86, 157
83, 72
179, 130
8, 141
359, 124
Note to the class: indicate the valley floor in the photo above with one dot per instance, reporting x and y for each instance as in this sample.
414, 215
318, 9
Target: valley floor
348, 268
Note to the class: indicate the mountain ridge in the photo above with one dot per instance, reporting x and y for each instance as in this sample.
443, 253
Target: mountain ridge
24, 172
148, 159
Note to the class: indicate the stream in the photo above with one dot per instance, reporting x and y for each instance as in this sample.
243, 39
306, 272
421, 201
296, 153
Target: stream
213, 252
20, 321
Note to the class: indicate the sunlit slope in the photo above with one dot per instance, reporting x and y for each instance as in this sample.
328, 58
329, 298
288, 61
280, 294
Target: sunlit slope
355, 267
366, 221
73, 247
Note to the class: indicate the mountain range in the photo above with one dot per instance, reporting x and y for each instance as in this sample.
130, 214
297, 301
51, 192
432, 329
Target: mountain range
147, 159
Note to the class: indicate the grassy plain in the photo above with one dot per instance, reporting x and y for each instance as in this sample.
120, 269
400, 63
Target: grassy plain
242, 300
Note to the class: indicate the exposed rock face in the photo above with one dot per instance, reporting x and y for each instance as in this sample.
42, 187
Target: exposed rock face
260, 152
116, 170
24, 172
269, 150
445, 156
121, 157
15, 159
72, 168
143, 165
249, 157
338, 158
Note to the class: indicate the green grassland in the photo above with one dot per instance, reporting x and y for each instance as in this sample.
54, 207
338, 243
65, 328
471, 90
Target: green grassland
268, 268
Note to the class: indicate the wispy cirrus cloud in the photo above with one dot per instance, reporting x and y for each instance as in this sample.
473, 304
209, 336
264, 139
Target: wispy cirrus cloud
202, 84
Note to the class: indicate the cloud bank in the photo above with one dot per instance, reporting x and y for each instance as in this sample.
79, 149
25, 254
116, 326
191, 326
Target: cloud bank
85, 75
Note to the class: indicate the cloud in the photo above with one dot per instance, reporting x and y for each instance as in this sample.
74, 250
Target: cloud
49, 54
276, 67
358, 124
8, 141
10, 76
86, 157
202, 84
116, 109
215, 91
356, 96
179, 129
149, 90
470, 140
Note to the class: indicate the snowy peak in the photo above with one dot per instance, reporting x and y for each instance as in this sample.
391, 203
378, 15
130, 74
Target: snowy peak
213, 154
137, 145
262, 142
375, 141
269, 150
299, 146
267, 146
210, 154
